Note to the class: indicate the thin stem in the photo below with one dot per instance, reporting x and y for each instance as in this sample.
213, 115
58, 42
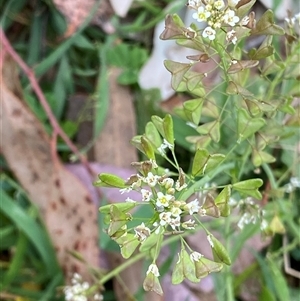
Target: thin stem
228, 274
38, 91
270, 175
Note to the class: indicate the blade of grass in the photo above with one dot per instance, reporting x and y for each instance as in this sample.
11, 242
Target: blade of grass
32, 230
35, 41
50, 291
52, 59
102, 91
7, 237
62, 86
16, 262
12, 8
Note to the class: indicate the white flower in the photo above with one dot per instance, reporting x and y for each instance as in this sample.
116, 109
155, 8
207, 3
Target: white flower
146, 195
202, 211
246, 219
210, 33
231, 37
163, 199
129, 200
210, 240
232, 202
230, 18
245, 21
288, 188
195, 256
167, 183
233, 3
176, 211
295, 182
126, 189
76, 292
168, 144
219, 4
153, 269
165, 218
297, 18
164, 146
178, 187
193, 3
175, 222
142, 232
154, 164
190, 224
151, 179
263, 225
193, 206
201, 15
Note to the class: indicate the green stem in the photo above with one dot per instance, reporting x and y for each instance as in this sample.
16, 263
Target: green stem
270, 175
289, 222
228, 274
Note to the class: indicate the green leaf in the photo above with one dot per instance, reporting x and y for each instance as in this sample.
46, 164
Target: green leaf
210, 109
253, 106
192, 109
194, 83
210, 207
211, 128
184, 269
265, 50
168, 129
153, 240
128, 245
248, 125
219, 252
267, 26
260, 157
177, 70
222, 201
174, 28
205, 266
276, 226
110, 180
158, 122
147, 147
117, 220
151, 283
153, 135
234, 89
249, 187
204, 162
243, 7
242, 65
124, 207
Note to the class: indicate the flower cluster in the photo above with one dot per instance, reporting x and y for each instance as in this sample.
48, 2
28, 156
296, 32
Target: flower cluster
292, 185
162, 192
292, 21
251, 213
78, 290
215, 14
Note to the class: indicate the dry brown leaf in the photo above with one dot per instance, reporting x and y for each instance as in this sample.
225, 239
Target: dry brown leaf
76, 11
65, 204
113, 144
